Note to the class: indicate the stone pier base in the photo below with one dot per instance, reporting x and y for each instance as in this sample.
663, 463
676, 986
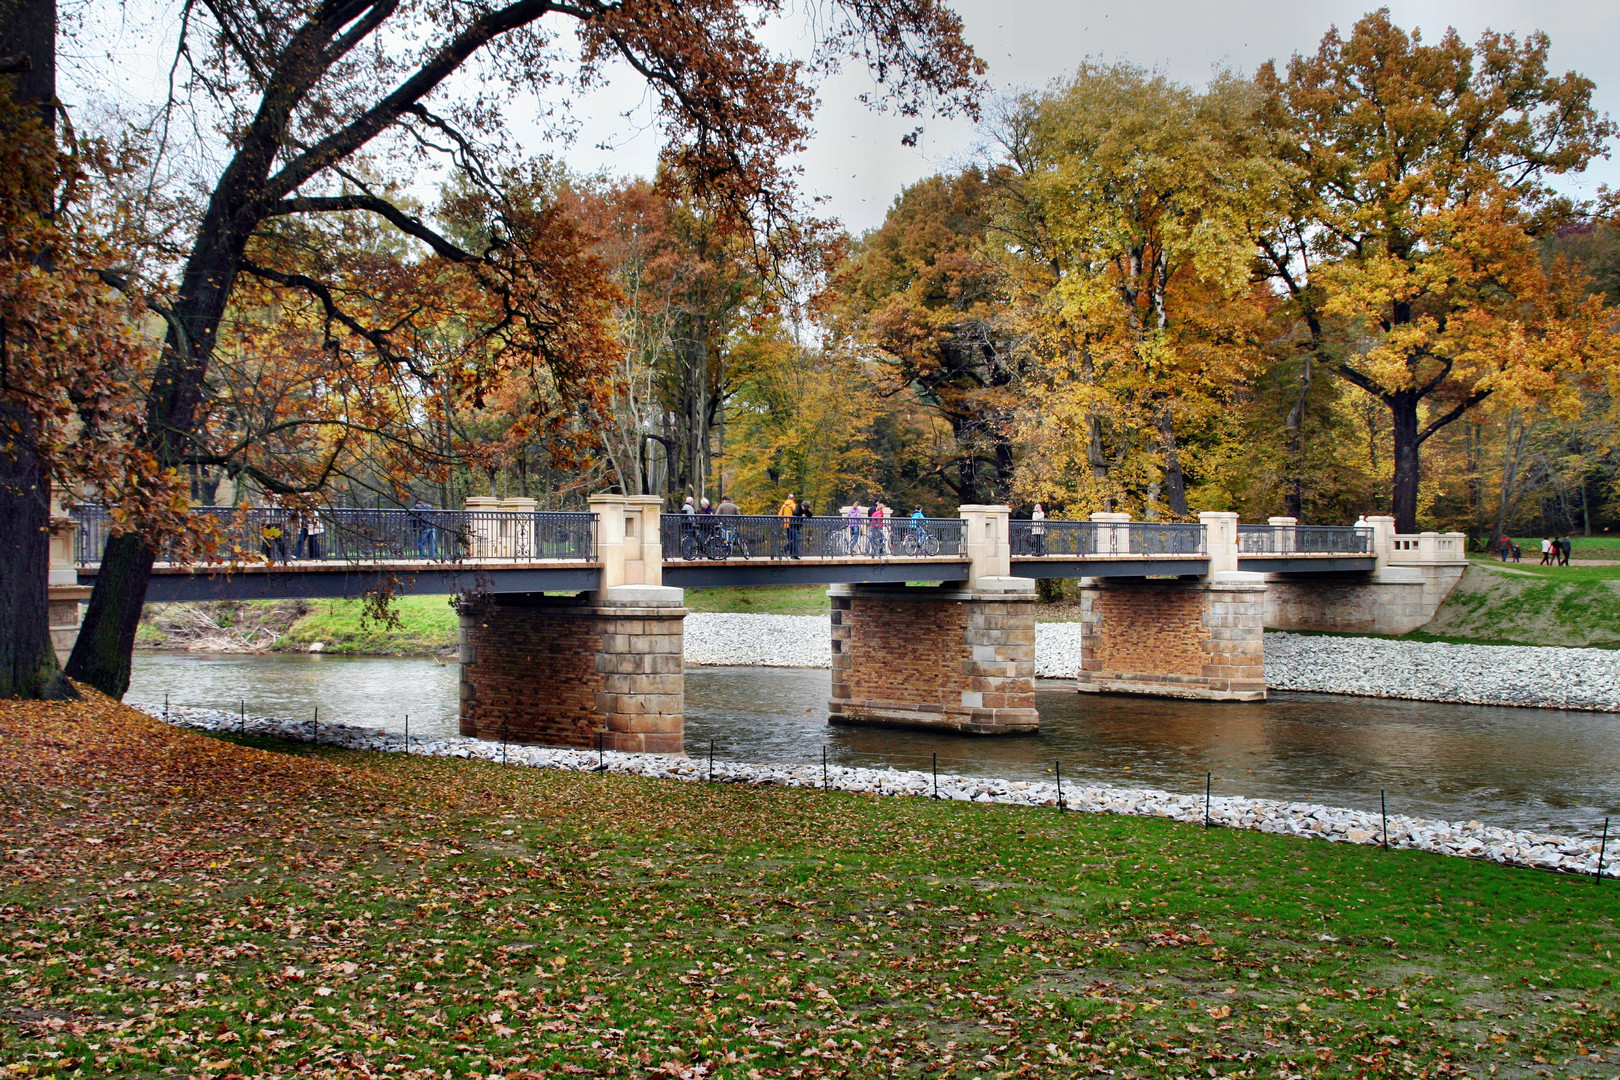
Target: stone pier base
1186, 639
938, 657
64, 603
573, 671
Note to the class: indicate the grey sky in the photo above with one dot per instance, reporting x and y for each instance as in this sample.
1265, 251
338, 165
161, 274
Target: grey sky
856, 162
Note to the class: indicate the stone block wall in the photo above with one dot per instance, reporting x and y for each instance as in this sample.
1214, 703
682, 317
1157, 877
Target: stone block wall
935, 658
1400, 599
565, 672
1189, 639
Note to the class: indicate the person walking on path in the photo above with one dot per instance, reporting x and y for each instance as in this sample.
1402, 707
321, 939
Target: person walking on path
1037, 529
1504, 547
790, 531
1566, 548
1546, 551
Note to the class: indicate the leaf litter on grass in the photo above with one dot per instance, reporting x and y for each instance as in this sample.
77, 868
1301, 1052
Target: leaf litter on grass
177, 904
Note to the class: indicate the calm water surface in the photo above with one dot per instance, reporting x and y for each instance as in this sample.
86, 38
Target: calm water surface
1524, 768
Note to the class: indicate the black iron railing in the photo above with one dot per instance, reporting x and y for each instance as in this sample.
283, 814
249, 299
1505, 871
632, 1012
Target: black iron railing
355, 535
1085, 539
1304, 540
767, 536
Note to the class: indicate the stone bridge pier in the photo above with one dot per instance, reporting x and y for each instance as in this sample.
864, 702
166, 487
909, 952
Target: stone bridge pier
1188, 638
958, 657
602, 668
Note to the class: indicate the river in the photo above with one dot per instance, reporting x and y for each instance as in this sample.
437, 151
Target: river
1519, 768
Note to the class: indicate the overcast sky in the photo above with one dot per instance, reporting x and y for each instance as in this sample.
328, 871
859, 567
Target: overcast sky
856, 161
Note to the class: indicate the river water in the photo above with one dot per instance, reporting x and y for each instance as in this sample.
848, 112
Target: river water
1521, 768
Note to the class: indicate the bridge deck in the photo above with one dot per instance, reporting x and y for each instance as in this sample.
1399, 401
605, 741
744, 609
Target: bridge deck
329, 579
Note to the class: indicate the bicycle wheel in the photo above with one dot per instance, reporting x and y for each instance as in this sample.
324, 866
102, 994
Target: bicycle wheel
931, 545
739, 547
690, 548
911, 546
715, 547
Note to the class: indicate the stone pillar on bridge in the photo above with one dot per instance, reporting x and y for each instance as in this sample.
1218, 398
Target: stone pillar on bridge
957, 657
64, 593
1186, 638
601, 668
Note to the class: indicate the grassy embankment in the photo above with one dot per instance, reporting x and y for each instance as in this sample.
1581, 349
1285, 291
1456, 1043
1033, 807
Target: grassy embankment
177, 904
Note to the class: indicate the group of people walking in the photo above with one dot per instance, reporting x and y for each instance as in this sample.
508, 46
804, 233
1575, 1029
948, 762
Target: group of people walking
870, 529
1555, 550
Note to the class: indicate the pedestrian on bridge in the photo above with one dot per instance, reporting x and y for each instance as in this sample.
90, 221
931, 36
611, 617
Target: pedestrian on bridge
728, 508
273, 532
788, 511
427, 537
1037, 529
310, 530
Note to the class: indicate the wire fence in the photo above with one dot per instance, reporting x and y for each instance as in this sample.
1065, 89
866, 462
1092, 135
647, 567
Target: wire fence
274, 534
768, 536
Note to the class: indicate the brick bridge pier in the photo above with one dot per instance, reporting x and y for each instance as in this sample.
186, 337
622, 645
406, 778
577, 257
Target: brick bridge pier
599, 668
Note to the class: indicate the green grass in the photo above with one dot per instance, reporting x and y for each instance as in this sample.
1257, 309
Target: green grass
450, 918
427, 624
767, 599
1585, 547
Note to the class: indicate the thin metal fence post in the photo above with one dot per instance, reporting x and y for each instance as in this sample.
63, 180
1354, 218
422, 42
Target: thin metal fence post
1383, 819
407, 733
1209, 781
503, 742
165, 706
711, 761
601, 753
1603, 847
1058, 766
243, 729
936, 775
315, 726
826, 784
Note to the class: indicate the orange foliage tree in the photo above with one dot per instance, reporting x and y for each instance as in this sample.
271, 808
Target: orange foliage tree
302, 89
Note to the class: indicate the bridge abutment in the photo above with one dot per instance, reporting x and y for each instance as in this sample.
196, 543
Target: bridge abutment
961, 659
1200, 638
603, 668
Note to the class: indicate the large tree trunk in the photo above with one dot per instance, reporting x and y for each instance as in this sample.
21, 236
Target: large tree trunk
101, 656
1403, 408
1175, 484
28, 667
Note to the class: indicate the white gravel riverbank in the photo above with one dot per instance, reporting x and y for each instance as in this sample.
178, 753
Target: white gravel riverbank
1369, 667
1542, 851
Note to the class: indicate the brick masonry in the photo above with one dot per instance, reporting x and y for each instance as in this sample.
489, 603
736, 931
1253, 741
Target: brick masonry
1404, 599
562, 672
910, 657
1186, 639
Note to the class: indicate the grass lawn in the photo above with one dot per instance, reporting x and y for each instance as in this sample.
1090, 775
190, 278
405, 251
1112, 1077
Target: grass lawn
427, 624
762, 600
173, 904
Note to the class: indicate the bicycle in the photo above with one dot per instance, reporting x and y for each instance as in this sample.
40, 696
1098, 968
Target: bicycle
919, 541
726, 544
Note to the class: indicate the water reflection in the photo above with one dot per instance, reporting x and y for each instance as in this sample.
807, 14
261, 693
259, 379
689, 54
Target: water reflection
1527, 768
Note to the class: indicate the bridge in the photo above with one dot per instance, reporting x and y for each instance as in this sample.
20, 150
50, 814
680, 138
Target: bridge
571, 623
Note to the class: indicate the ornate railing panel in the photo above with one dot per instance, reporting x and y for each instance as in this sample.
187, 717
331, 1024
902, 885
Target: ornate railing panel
1087, 539
1304, 540
357, 535
767, 536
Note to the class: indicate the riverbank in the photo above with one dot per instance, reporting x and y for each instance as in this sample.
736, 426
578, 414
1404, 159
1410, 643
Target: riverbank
1539, 850
185, 903
1364, 667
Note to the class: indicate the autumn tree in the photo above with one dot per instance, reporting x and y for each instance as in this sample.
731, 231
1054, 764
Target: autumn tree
69, 343
302, 89
1422, 171
925, 298
1131, 202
